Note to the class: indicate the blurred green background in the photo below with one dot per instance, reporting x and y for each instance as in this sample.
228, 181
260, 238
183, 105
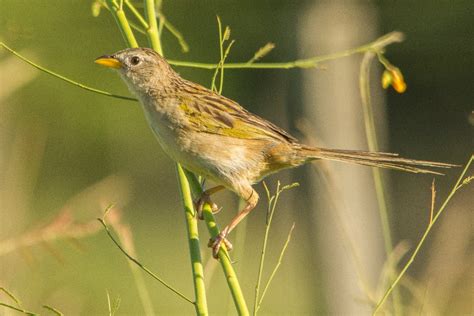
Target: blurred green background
66, 154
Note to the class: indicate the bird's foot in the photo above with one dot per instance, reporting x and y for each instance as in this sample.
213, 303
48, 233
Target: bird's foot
215, 243
205, 199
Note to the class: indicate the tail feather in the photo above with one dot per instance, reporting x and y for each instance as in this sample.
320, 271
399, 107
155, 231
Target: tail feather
375, 159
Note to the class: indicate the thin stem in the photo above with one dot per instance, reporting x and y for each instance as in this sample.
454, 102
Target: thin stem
193, 240
174, 31
137, 14
138, 263
272, 202
152, 29
455, 188
125, 237
70, 81
312, 62
224, 259
371, 136
21, 310
53, 310
280, 259
269, 218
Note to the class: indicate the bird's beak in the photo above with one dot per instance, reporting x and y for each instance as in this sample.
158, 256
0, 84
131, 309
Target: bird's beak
108, 61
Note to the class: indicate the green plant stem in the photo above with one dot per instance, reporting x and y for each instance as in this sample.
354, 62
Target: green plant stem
224, 259
138, 263
272, 203
53, 310
75, 83
21, 310
371, 135
191, 218
376, 45
152, 30
269, 218
137, 14
124, 26
302, 63
455, 188
196, 263
275, 269
193, 239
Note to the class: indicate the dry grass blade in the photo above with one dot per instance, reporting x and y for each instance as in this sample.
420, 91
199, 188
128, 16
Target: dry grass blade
433, 199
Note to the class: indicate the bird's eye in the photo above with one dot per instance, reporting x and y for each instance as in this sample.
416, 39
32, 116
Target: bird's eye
135, 60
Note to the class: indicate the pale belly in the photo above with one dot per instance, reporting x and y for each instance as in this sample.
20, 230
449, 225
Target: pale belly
225, 160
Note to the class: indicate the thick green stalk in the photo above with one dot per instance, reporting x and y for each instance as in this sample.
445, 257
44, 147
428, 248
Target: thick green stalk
191, 218
152, 30
193, 239
124, 26
193, 235
224, 259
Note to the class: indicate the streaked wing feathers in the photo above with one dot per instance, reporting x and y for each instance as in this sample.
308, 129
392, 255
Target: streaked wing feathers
213, 113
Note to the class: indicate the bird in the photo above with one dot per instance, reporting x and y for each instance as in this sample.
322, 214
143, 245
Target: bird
213, 136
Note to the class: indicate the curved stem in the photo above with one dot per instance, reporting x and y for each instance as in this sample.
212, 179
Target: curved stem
138, 263
371, 135
376, 45
52, 73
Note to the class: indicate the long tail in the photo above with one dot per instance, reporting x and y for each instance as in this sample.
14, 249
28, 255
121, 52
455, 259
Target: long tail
375, 159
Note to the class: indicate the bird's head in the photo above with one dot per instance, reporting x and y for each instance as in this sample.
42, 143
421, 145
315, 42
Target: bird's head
143, 69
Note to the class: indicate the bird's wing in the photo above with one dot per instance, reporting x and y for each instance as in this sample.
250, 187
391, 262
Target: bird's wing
212, 113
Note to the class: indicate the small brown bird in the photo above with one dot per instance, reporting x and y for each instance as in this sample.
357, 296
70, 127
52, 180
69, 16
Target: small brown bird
215, 137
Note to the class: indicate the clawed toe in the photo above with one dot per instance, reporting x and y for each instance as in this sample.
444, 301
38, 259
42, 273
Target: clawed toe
205, 199
216, 243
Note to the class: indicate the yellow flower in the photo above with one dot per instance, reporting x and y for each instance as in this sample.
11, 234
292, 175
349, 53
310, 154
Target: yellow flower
392, 76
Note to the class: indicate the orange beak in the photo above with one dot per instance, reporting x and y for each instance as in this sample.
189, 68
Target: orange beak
108, 61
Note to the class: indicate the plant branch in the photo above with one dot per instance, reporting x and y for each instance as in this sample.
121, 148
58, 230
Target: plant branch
138, 263
193, 240
21, 310
124, 26
371, 136
198, 277
272, 202
275, 269
152, 29
63, 78
223, 255
312, 62
137, 14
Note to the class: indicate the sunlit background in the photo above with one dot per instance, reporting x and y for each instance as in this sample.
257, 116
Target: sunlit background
66, 154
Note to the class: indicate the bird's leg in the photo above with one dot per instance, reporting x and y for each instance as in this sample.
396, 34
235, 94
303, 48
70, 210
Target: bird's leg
221, 238
206, 198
